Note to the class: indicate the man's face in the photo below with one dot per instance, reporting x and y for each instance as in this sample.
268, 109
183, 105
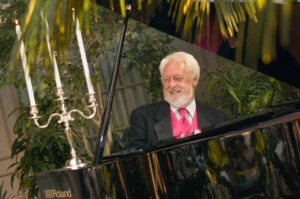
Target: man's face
178, 84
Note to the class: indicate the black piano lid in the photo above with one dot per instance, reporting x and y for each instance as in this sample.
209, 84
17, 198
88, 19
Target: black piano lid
289, 112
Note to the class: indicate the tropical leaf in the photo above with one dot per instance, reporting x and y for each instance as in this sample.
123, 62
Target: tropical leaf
216, 155
266, 97
59, 16
260, 142
253, 105
232, 92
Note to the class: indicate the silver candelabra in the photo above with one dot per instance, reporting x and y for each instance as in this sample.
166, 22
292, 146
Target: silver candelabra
65, 116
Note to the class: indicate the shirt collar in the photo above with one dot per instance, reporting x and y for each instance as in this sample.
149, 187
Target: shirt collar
191, 108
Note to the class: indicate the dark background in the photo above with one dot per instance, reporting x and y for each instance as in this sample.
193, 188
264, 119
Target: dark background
286, 66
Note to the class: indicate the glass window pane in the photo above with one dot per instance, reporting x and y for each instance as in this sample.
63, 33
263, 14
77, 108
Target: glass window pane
121, 112
132, 76
107, 62
139, 95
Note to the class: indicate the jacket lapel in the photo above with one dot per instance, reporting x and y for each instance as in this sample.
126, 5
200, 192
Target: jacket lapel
164, 127
202, 122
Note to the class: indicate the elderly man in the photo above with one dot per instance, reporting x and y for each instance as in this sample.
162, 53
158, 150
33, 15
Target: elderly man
180, 115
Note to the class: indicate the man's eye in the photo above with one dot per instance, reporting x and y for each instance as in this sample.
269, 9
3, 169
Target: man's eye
166, 80
178, 79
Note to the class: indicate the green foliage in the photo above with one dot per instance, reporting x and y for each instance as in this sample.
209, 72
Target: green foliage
44, 149
59, 16
8, 35
146, 48
3, 193
41, 149
239, 91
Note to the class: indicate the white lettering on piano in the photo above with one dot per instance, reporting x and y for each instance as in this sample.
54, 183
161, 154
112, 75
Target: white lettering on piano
58, 193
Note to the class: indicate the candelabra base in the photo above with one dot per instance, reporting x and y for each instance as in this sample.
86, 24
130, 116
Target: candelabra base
75, 163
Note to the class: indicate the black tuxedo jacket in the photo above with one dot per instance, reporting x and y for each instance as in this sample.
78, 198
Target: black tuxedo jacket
151, 123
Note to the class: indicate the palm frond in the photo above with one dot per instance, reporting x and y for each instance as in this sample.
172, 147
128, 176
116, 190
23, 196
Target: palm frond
232, 16
59, 17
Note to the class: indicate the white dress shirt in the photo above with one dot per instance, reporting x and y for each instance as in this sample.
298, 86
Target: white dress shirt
191, 108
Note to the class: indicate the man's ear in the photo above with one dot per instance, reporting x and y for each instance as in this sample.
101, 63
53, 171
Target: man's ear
195, 81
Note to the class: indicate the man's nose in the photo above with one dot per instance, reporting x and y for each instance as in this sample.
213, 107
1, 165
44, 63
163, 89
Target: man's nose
172, 83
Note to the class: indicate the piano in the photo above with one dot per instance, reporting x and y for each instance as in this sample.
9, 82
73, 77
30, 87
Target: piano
256, 157
253, 158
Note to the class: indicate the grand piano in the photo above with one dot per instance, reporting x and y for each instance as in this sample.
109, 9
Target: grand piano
254, 157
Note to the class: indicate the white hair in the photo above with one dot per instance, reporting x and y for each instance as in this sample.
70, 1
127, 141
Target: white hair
191, 63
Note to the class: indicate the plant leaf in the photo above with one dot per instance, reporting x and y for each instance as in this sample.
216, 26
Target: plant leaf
232, 92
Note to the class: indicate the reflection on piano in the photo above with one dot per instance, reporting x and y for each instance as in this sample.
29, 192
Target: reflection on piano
254, 158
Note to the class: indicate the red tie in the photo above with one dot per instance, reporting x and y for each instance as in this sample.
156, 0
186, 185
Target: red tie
185, 124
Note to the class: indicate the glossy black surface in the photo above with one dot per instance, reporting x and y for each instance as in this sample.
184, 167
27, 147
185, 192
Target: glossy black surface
255, 158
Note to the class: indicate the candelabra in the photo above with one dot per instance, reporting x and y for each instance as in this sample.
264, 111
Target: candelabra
65, 116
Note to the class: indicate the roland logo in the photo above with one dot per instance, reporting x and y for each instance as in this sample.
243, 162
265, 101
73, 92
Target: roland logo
52, 193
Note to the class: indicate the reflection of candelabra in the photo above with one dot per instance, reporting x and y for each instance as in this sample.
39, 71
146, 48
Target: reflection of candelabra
65, 116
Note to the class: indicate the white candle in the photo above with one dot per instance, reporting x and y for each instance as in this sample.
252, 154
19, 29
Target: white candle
24, 63
83, 56
56, 71
52, 56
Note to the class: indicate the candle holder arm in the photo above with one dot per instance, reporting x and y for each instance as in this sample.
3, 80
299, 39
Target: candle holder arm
83, 115
35, 117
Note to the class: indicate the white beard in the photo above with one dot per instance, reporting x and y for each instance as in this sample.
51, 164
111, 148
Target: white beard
179, 101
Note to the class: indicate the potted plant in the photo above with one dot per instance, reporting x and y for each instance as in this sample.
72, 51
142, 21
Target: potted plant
240, 91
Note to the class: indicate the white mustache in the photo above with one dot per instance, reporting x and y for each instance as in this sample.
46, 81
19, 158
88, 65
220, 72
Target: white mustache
174, 89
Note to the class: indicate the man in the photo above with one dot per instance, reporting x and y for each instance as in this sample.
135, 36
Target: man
152, 123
